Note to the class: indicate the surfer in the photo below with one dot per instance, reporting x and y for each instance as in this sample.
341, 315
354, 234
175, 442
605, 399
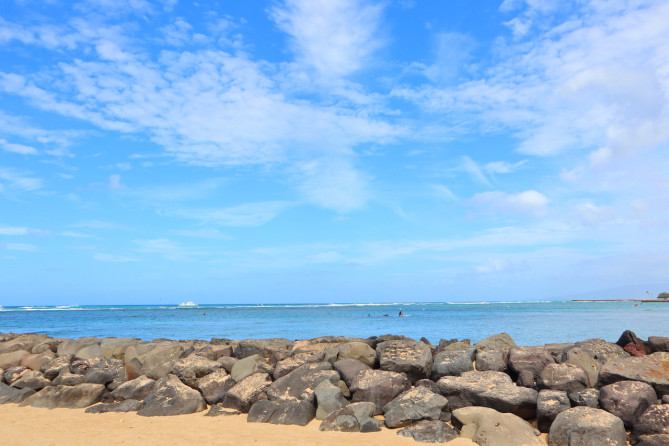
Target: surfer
400, 315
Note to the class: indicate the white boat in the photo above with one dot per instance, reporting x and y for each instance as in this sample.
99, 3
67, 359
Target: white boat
188, 304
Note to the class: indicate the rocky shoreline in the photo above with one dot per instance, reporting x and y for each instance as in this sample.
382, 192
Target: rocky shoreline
493, 392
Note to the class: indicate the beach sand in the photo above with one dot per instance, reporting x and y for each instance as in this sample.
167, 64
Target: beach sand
21, 426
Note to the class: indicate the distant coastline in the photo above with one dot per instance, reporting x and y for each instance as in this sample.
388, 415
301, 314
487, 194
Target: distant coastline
622, 300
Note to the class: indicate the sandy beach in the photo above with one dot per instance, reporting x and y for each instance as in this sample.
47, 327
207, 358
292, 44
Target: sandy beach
22, 426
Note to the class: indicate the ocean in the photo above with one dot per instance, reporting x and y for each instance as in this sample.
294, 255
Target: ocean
528, 323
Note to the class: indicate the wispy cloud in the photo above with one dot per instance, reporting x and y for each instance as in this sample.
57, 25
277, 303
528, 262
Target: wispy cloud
248, 214
17, 230
18, 247
16, 179
17, 148
114, 258
98, 224
529, 202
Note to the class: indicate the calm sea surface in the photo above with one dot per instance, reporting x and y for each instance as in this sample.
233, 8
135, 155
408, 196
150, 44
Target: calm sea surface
528, 323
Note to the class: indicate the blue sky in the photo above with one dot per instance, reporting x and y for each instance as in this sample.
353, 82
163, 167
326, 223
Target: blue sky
332, 151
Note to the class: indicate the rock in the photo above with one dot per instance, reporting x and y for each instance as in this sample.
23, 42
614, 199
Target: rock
285, 366
35, 361
193, 367
89, 352
105, 372
549, 404
227, 362
51, 369
65, 378
587, 426
356, 417
429, 431
248, 366
629, 337
528, 363
567, 377
374, 341
172, 397
428, 384
21, 343
495, 360
634, 349
488, 427
276, 348
488, 389
12, 359
405, 356
119, 406
349, 368
217, 410
76, 397
652, 369
557, 351
627, 400
214, 385
501, 341
72, 346
378, 386
415, 404
114, 348
590, 355
452, 345
652, 427
82, 366
329, 398
251, 389
136, 389
659, 344
13, 395
159, 361
359, 351
453, 362
47, 345
301, 382
31, 380
287, 412
587, 397
665, 399
13, 373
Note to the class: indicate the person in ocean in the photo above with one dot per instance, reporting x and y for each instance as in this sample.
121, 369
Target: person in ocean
400, 315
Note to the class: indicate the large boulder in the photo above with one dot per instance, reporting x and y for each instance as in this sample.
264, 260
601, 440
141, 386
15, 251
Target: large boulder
105, 372
136, 389
65, 378
405, 356
587, 426
285, 366
243, 394
172, 397
329, 398
118, 406
72, 346
356, 417
488, 427
567, 377
24, 343
282, 412
159, 361
301, 382
14, 373
417, 403
652, 427
378, 386
549, 404
76, 397
659, 343
629, 337
88, 352
627, 400
349, 368
453, 362
429, 431
491, 359
52, 368
652, 369
12, 359
360, 351
248, 366
31, 380
10, 394
501, 341
35, 361
193, 367
214, 385
114, 348
489, 389
274, 348
528, 363
82, 366
588, 397
590, 355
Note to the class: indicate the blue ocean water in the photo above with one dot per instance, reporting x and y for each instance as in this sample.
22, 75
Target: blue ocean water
528, 323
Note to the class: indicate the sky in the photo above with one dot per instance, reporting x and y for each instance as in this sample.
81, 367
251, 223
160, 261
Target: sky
332, 151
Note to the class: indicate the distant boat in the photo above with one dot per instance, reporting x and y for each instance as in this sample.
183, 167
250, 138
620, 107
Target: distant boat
188, 304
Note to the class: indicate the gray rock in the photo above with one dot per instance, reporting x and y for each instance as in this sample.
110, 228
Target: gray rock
495, 360
452, 345
49, 344
12, 359
590, 355
587, 397
13, 395
587, 426
31, 380
428, 384
453, 362
35, 361
172, 397
659, 344
14, 373
501, 341
651, 369
488, 427
52, 368
217, 410
286, 412
417, 403
105, 372
652, 427
374, 341
248, 366
76, 397
567, 377
136, 389
82, 366
214, 385
356, 417
359, 351
72, 346
193, 367
227, 362
276, 348
329, 398
665, 399
114, 348
378, 386
65, 378
23, 342
349, 368
489, 389
159, 361
285, 366
119, 406
301, 382
89, 352
549, 404
406, 356
251, 389
627, 400
429, 431
528, 363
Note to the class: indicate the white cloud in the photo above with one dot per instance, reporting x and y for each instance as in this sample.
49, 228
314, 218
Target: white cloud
16, 179
503, 166
17, 148
114, 258
8, 230
245, 215
18, 247
472, 168
333, 184
529, 202
98, 224
115, 183
443, 192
